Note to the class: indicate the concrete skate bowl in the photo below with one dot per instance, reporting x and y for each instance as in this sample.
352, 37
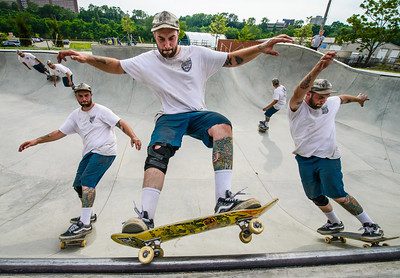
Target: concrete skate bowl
37, 199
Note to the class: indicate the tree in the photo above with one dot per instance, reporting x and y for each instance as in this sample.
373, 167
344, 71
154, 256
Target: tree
303, 32
377, 26
24, 32
128, 27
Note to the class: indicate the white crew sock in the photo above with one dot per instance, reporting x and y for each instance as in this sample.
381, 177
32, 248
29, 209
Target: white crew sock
223, 182
332, 217
364, 218
85, 215
150, 200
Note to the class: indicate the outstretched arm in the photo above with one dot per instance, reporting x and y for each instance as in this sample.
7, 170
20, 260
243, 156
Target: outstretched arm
126, 128
360, 98
305, 85
26, 65
107, 64
275, 101
52, 136
242, 56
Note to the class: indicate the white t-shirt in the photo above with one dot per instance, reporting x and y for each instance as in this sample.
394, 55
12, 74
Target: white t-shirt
60, 70
180, 81
317, 40
28, 59
96, 128
313, 130
279, 95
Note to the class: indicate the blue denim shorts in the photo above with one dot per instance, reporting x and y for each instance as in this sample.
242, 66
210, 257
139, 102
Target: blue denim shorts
170, 128
91, 169
271, 111
321, 176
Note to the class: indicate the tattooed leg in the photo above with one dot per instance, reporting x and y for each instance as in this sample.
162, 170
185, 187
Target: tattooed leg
350, 204
223, 154
88, 195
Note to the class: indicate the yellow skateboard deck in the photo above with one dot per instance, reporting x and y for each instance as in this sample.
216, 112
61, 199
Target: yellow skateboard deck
149, 241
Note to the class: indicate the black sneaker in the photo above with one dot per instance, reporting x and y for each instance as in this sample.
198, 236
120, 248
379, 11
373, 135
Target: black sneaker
229, 203
93, 218
329, 228
76, 231
372, 231
139, 224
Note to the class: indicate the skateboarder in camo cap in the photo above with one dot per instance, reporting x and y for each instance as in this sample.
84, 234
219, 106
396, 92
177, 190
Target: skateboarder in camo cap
95, 124
312, 112
178, 75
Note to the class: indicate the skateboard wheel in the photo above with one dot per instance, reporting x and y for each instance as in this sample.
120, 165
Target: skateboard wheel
256, 226
385, 244
328, 240
366, 246
83, 243
63, 245
342, 239
146, 254
158, 252
245, 237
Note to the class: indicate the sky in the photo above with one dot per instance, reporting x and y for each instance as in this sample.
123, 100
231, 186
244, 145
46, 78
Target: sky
275, 10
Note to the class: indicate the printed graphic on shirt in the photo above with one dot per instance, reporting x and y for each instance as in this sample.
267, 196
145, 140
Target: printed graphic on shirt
91, 119
325, 109
187, 65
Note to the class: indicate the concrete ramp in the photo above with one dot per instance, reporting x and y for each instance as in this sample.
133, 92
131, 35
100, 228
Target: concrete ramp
37, 199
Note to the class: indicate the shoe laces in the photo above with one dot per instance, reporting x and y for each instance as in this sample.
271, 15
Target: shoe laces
231, 197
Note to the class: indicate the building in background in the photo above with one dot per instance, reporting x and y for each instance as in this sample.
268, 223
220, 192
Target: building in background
66, 4
318, 20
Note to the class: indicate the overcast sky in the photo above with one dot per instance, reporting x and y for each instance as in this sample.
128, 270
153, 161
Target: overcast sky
274, 10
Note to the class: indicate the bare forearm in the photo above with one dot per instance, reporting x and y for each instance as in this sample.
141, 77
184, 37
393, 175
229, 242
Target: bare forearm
125, 128
348, 99
107, 64
52, 136
242, 56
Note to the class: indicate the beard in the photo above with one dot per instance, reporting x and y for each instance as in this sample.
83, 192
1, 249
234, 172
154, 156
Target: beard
168, 53
86, 104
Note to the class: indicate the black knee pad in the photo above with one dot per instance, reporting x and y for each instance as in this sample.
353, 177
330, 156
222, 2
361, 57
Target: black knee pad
78, 190
159, 158
320, 201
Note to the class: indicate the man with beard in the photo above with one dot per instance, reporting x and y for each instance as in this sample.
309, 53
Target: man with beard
312, 113
178, 76
95, 124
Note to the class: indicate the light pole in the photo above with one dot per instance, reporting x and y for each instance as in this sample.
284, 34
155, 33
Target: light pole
326, 15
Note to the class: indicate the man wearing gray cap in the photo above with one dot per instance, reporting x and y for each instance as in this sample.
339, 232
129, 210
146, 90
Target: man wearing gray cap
95, 124
312, 112
178, 75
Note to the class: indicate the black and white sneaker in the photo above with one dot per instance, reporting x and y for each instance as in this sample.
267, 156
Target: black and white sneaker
76, 231
372, 231
331, 228
229, 203
93, 218
138, 224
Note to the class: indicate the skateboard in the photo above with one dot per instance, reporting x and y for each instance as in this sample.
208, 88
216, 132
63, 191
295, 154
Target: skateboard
262, 128
149, 242
80, 241
342, 236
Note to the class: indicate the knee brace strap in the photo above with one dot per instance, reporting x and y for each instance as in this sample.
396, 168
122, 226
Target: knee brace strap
159, 158
320, 201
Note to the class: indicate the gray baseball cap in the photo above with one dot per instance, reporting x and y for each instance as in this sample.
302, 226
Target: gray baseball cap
82, 87
322, 86
165, 20
275, 81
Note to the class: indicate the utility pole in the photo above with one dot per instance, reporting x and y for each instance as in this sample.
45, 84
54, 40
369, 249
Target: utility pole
326, 15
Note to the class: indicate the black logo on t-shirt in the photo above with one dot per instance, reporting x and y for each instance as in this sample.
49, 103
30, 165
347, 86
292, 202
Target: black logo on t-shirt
325, 109
91, 119
187, 65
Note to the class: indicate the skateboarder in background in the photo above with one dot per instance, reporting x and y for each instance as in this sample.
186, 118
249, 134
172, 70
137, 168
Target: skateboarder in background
59, 70
278, 102
317, 40
95, 124
178, 75
30, 61
312, 113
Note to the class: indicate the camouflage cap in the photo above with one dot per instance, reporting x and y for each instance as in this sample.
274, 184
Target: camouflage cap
82, 87
165, 20
322, 86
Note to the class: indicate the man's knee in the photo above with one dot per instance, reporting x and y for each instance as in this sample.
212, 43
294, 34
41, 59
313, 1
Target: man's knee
320, 201
159, 157
78, 190
220, 131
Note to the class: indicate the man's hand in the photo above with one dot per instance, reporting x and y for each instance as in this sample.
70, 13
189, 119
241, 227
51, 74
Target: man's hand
27, 144
267, 46
362, 98
325, 60
76, 56
135, 142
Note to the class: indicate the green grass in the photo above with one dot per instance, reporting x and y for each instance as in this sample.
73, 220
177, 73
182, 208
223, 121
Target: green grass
81, 45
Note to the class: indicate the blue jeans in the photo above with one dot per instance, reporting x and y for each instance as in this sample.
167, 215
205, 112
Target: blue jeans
321, 176
170, 128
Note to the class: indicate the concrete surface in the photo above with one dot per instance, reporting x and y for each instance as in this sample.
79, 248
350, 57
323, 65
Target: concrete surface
37, 199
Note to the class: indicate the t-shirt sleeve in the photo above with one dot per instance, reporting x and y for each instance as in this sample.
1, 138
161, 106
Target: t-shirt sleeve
69, 126
276, 94
133, 66
109, 117
212, 60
